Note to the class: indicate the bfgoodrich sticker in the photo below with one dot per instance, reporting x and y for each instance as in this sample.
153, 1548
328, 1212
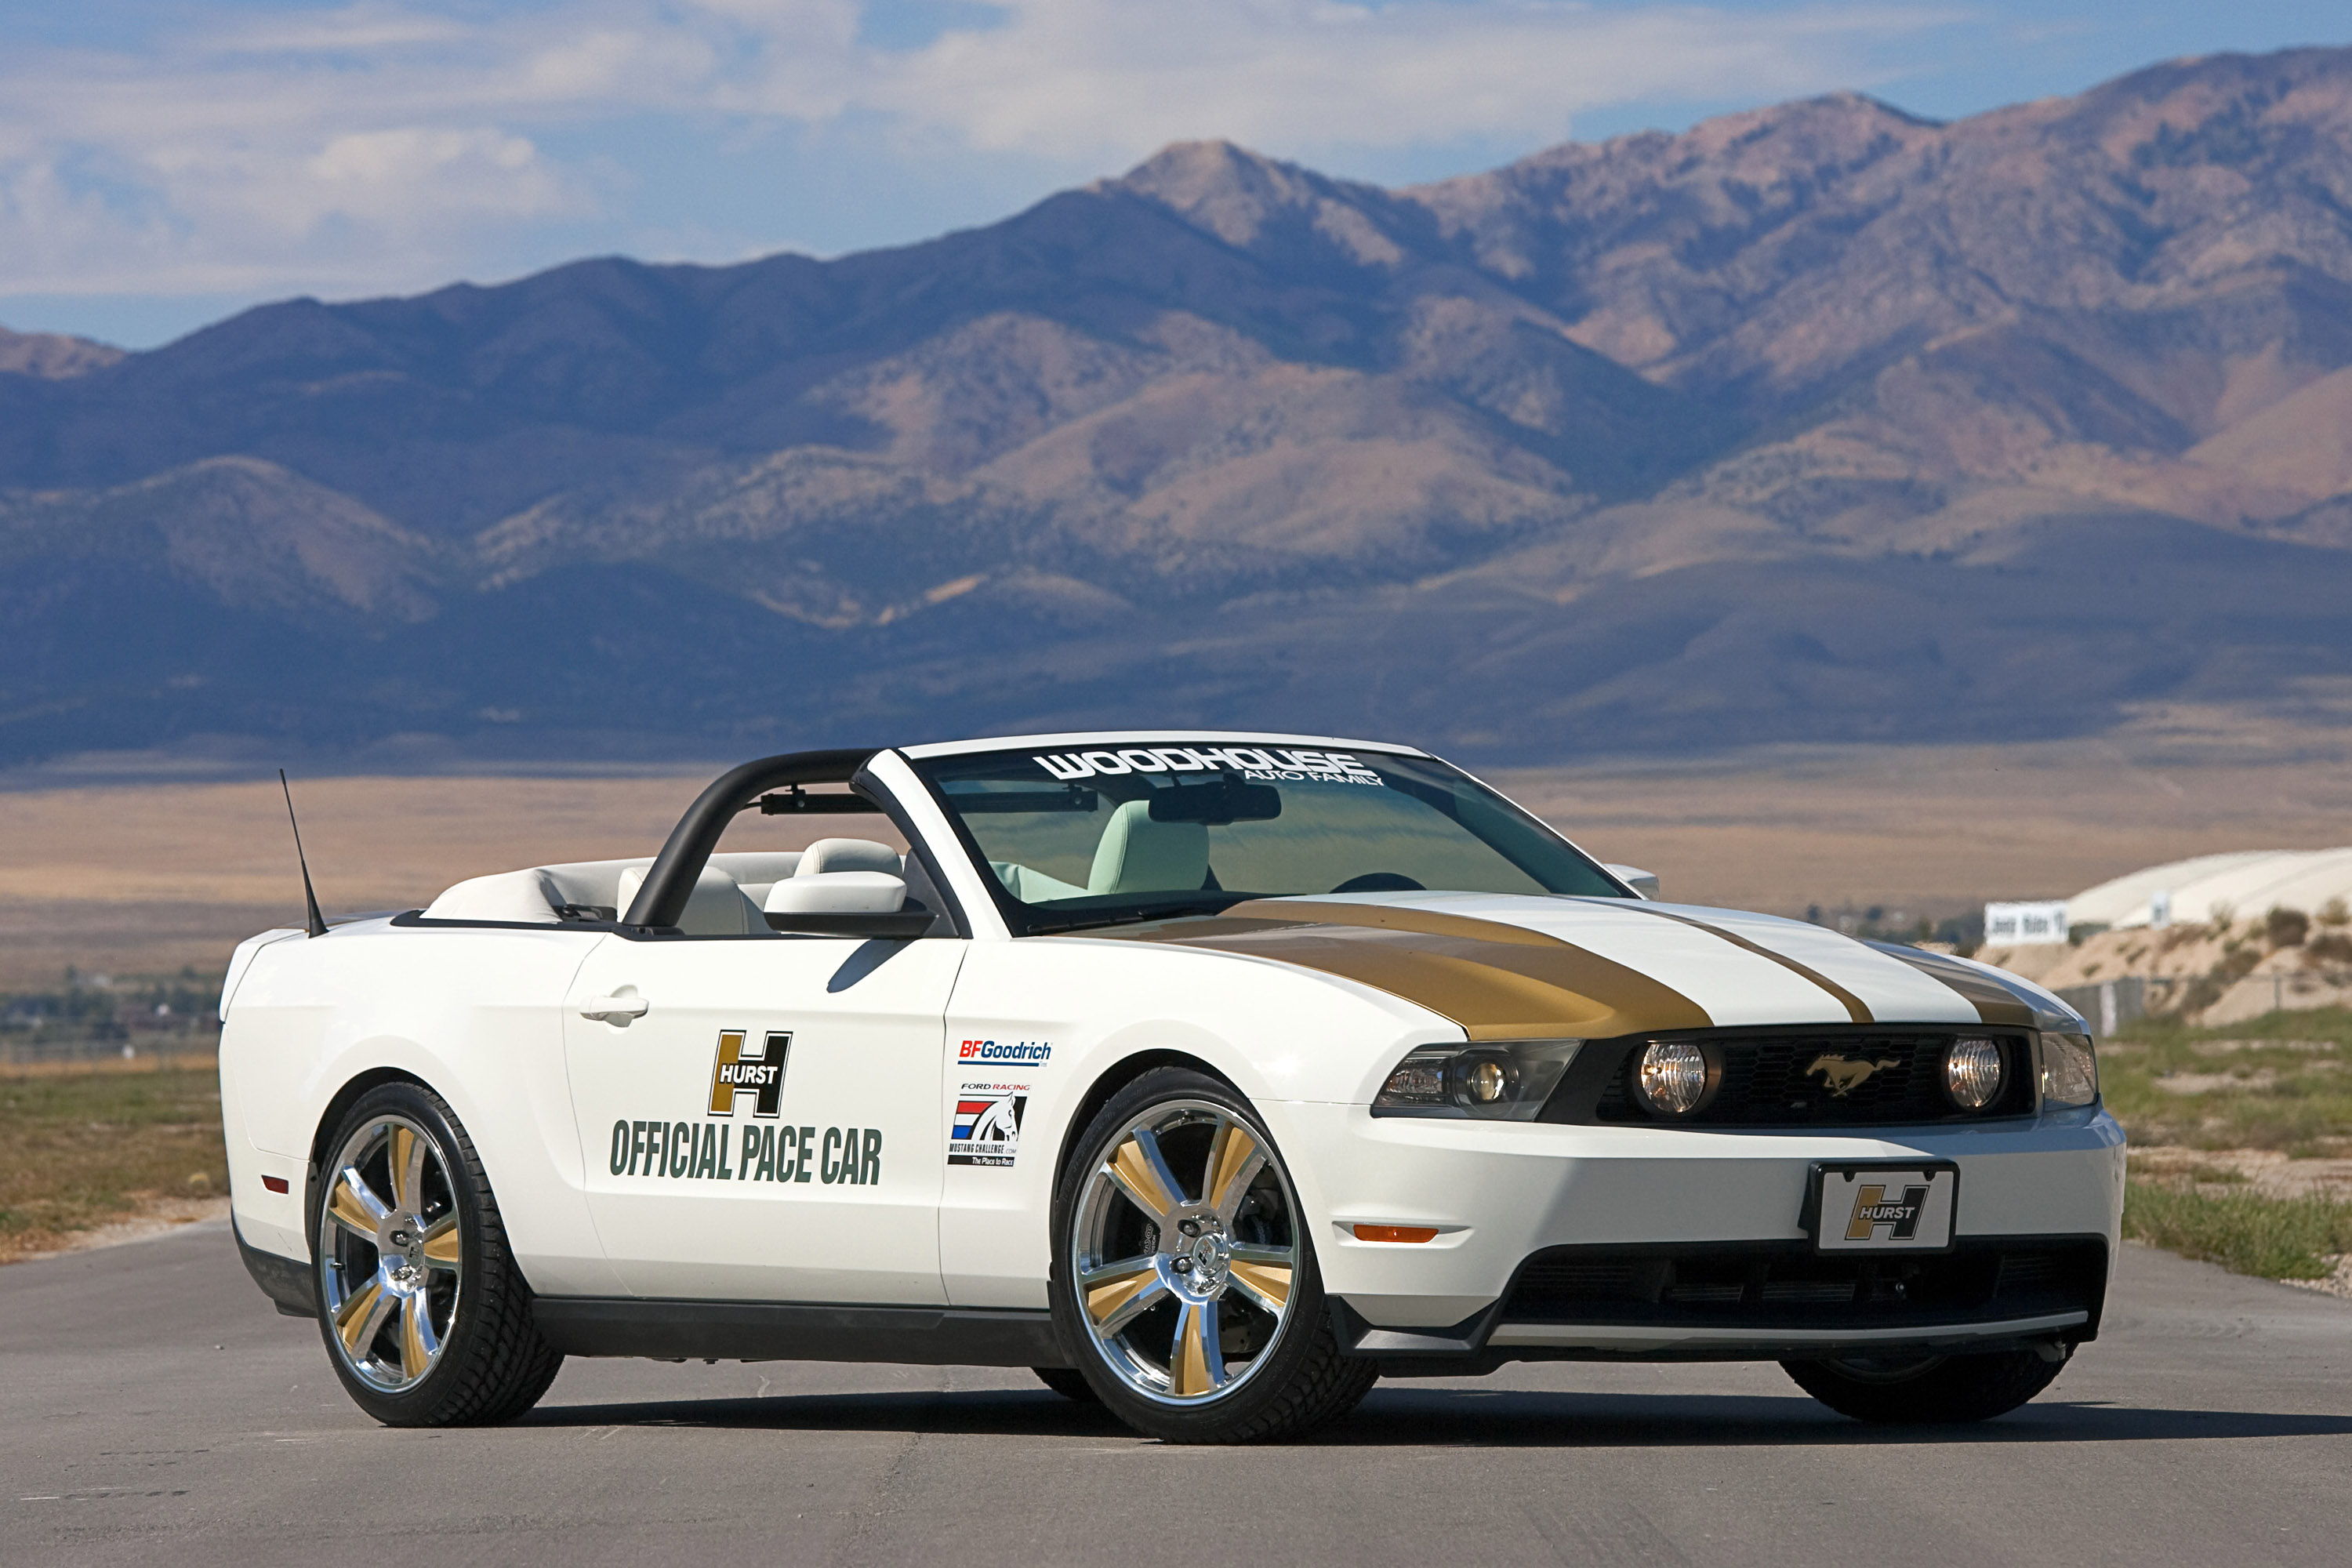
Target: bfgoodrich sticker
986, 1127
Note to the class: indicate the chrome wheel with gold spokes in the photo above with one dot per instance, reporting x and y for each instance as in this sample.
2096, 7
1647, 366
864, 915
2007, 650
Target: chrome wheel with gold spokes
1185, 1252
390, 1255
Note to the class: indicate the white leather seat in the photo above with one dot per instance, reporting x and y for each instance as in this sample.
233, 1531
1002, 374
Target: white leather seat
1137, 854
848, 855
718, 907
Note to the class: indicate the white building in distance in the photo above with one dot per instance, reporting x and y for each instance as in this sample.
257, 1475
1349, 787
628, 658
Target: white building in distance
2245, 882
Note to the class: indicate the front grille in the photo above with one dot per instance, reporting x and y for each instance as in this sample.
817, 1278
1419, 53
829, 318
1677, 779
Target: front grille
1785, 1285
1776, 1078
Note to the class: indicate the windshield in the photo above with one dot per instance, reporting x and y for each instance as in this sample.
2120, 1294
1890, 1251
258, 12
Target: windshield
1102, 837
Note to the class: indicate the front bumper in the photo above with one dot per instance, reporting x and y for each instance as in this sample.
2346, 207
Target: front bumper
1689, 1241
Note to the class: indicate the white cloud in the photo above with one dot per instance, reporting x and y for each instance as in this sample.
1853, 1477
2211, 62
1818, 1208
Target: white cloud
1296, 74
387, 146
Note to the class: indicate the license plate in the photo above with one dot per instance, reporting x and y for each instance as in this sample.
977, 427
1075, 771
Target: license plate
1882, 1208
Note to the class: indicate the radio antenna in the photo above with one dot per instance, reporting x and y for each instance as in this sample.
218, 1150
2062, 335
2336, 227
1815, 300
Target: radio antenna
316, 922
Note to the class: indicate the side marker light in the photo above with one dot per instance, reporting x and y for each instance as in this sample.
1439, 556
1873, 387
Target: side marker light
277, 1183
1396, 1233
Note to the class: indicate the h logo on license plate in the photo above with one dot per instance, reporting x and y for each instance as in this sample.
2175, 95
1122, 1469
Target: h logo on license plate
1873, 1209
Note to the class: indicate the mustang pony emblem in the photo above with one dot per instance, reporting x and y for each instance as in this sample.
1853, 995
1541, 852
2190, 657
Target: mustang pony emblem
1843, 1075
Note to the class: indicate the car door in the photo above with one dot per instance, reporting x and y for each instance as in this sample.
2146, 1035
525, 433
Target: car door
761, 1114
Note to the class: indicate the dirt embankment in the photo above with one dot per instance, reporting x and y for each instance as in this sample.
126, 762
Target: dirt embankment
2226, 972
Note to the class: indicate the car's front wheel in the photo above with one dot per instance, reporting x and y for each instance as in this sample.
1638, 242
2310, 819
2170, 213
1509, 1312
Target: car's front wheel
1926, 1390
1184, 1276
427, 1319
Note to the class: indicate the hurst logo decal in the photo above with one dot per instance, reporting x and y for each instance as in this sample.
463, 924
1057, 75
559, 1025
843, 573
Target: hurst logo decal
1873, 1208
759, 1077
709, 1151
986, 1127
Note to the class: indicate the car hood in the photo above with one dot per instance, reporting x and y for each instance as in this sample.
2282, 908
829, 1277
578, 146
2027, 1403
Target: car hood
1506, 966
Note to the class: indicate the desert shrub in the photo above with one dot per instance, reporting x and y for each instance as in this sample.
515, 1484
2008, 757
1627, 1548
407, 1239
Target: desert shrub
2335, 913
2329, 947
2286, 928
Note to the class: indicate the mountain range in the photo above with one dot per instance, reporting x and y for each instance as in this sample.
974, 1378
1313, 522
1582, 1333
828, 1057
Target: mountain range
1818, 422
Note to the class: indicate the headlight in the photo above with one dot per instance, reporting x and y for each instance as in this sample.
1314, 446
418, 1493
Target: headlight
2070, 1071
1972, 1073
1497, 1079
1673, 1078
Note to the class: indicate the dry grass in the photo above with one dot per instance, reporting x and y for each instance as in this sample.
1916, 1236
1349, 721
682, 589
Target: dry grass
2239, 1137
2244, 1232
2281, 1083
86, 1146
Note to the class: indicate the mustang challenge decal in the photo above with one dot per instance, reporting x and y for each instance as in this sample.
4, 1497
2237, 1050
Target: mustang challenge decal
709, 1151
986, 1128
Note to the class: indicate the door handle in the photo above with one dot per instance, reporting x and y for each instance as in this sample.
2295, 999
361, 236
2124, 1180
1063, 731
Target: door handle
617, 1009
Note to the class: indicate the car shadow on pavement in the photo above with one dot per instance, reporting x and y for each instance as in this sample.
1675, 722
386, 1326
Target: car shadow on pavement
1514, 1418
1404, 1418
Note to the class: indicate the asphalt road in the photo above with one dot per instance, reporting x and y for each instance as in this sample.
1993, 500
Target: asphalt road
153, 1407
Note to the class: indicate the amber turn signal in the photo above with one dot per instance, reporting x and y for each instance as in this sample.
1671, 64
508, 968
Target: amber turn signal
1396, 1233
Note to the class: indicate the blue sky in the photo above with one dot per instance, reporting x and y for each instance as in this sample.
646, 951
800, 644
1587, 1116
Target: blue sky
164, 162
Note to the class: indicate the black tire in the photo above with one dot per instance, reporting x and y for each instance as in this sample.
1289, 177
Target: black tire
1068, 1381
1927, 1390
490, 1365
1294, 1382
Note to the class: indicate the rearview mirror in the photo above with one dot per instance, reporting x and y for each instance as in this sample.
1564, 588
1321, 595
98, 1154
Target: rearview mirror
1214, 804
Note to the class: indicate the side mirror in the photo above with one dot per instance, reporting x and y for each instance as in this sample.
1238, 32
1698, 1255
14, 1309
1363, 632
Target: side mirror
845, 903
1642, 882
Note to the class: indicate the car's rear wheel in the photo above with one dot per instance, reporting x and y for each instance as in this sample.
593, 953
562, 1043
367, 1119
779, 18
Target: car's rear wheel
1926, 1390
1184, 1276
425, 1318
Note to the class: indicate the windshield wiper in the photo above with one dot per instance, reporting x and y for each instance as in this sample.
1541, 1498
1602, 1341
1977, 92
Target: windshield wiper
1136, 914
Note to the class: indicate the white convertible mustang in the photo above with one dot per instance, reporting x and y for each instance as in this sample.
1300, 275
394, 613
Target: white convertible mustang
1213, 1076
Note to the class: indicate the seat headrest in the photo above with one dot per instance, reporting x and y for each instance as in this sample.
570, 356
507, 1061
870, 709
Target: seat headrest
717, 908
847, 855
1137, 855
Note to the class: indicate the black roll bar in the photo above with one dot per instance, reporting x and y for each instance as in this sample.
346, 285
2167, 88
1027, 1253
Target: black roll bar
662, 900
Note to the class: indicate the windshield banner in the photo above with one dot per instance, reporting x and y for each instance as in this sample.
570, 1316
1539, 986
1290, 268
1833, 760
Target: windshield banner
1253, 764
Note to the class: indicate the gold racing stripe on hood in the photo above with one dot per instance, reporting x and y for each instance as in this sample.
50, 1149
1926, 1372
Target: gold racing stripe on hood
1994, 1003
1498, 982
1856, 1009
